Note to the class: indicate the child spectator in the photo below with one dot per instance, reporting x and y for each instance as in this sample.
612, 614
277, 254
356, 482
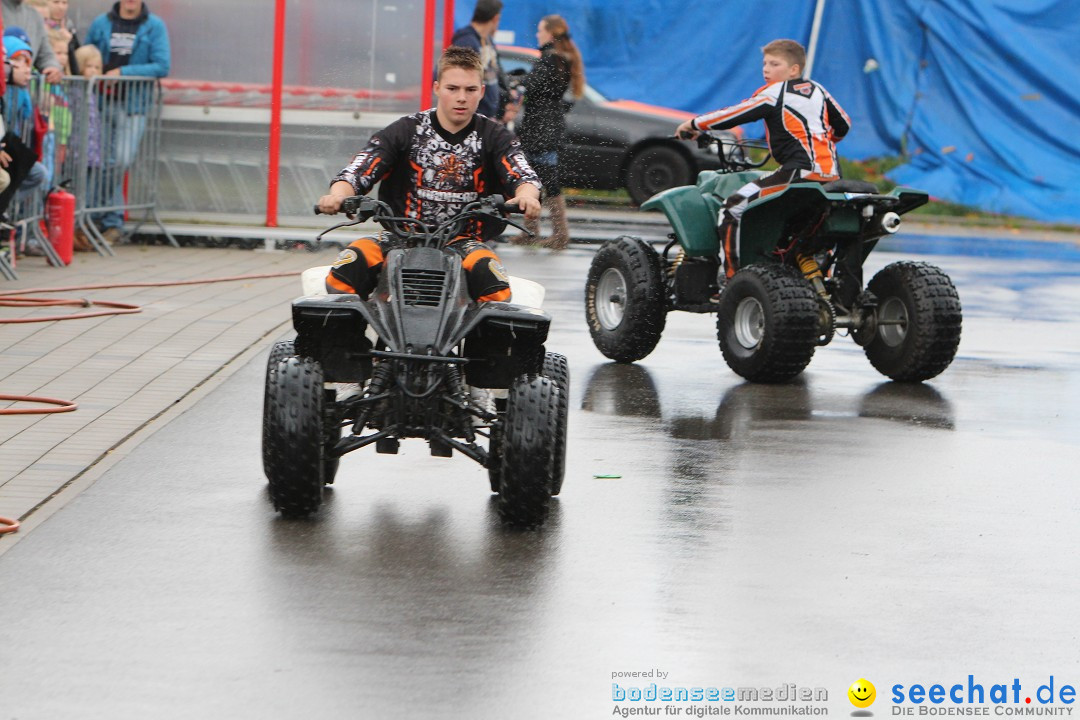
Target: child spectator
19, 109
59, 111
59, 39
16, 156
57, 19
88, 57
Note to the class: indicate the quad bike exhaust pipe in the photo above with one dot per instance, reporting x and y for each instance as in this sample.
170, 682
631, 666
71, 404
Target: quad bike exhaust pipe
890, 222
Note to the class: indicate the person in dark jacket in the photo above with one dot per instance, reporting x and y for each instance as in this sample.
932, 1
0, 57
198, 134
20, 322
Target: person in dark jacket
543, 127
479, 36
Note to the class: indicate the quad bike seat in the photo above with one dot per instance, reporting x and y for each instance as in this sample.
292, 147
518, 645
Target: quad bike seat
850, 186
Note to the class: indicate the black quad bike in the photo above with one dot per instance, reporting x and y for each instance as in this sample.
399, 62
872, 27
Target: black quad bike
428, 362
801, 280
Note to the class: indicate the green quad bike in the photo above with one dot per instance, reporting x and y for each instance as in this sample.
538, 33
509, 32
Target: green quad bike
802, 252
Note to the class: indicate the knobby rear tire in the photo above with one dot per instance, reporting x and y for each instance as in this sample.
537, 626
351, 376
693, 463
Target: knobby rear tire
925, 300
767, 323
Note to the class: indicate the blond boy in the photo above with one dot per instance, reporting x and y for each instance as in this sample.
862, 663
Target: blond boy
803, 123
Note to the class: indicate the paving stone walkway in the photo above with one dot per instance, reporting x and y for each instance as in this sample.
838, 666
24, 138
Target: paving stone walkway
125, 370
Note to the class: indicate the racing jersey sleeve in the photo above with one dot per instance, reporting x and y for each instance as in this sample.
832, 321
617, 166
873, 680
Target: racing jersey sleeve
378, 156
509, 161
757, 107
838, 119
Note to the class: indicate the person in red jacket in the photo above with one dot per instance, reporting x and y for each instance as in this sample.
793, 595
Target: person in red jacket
803, 123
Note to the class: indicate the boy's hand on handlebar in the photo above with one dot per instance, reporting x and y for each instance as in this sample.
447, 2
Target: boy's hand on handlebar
528, 199
686, 131
330, 204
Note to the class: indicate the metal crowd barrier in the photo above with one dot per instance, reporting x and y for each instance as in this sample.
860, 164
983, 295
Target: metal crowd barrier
114, 161
102, 143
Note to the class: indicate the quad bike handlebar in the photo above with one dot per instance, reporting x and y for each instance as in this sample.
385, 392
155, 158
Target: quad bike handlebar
361, 208
732, 151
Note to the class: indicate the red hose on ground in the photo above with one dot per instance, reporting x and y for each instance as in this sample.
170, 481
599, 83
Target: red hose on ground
18, 298
62, 405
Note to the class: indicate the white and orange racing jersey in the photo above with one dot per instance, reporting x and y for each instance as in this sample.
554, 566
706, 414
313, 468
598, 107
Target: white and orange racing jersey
802, 123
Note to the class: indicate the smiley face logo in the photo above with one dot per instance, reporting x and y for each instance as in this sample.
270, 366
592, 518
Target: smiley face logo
862, 693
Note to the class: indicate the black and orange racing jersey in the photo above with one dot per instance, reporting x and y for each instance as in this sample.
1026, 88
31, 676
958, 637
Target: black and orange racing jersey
430, 174
802, 123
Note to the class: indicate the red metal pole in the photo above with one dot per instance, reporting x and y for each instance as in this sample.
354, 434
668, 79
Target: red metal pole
275, 115
448, 23
428, 62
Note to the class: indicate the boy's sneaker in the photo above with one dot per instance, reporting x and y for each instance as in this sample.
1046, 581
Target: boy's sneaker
348, 391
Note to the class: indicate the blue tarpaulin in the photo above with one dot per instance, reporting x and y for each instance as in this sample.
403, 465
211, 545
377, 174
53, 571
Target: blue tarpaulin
982, 95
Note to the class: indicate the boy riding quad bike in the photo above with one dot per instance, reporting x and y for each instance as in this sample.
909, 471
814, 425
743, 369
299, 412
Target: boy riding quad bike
431, 363
802, 250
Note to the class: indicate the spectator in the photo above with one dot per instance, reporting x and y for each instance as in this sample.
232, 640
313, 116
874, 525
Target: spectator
133, 43
3, 75
26, 172
57, 19
17, 14
543, 128
88, 58
5, 159
58, 40
58, 106
479, 36
19, 113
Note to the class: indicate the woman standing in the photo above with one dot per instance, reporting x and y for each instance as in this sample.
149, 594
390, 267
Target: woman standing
543, 128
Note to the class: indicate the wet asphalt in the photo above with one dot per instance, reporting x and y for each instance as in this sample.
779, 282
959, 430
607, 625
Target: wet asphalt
837, 527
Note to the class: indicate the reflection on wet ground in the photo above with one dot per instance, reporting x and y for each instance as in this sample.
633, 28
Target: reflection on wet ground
836, 526
631, 391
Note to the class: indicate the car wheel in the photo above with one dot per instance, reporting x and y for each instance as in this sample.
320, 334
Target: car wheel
767, 323
918, 320
293, 441
655, 169
625, 305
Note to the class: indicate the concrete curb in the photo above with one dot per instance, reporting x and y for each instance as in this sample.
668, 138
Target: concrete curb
55, 502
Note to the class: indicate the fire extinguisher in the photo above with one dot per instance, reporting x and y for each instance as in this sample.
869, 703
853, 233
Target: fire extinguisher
60, 220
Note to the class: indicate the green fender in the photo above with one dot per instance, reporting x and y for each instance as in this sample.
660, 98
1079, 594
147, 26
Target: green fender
693, 210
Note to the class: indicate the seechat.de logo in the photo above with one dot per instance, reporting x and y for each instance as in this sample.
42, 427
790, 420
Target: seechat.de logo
862, 693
